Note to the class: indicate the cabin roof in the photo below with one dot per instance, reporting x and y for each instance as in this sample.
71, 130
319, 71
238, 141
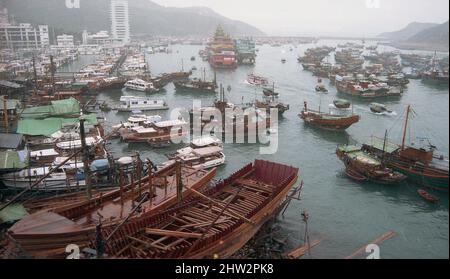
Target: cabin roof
170, 123
10, 141
379, 143
202, 152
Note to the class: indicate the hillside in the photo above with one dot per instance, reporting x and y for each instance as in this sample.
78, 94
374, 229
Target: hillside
146, 18
434, 35
407, 32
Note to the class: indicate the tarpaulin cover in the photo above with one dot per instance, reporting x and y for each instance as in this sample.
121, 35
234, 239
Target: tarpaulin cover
49, 126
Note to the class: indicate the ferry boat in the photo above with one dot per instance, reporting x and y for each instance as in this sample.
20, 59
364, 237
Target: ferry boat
140, 85
131, 103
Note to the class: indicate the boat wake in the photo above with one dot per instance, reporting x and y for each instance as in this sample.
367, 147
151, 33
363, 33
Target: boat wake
386, 113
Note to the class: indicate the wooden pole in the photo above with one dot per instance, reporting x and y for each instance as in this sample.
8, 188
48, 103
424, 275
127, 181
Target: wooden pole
408, 109
5, 114
85, 159
179, 183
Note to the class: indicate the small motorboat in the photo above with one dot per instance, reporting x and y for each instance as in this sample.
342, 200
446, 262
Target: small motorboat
269, 92
426, 196
193, 58
351, 173
341, 104
379, 108
257, 80
283, 60
321, 88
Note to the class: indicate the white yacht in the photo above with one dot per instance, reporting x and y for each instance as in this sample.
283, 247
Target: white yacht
137, 120
203, 153
130, 103
139, 85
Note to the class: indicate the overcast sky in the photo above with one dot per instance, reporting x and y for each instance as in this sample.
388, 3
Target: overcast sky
325, 17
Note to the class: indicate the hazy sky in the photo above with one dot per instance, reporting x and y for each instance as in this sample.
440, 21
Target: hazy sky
325, 17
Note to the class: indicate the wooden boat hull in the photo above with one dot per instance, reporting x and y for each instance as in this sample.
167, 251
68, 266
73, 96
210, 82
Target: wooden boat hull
338, 124
256, 192
423, 177
46, 234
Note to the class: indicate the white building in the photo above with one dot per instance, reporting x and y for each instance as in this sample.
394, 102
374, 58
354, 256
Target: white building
23, 36
120, 21
65, 40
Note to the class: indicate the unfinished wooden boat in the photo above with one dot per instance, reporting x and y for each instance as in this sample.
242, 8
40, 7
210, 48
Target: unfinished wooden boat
327, 121
215, 224
48, 232
426, 196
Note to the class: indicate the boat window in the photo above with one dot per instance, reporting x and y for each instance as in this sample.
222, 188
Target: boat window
134, 103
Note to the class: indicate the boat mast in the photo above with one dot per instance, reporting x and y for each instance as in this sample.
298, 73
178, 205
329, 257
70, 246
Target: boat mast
408, 109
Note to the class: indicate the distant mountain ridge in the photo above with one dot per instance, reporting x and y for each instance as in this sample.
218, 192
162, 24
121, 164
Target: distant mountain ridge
426, 36
146, 18
407, 32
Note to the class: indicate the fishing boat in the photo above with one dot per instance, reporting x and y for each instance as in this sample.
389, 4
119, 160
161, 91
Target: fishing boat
214, 224
257, 80
427, 196
328, 121
361, 164
379, 108
196, 85
131, 103
418, 163
160, 132
137, 120
271, 103
342, 104
47, 233
139, 85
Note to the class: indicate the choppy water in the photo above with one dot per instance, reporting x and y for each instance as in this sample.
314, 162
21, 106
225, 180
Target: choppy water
346, 214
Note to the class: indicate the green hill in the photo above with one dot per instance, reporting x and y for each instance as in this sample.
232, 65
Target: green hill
146, 17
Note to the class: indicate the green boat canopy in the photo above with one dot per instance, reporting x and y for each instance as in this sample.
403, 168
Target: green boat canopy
57, 108
49, 126
13, 160
379, 144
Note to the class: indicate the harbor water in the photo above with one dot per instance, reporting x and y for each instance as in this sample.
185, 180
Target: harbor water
345, 214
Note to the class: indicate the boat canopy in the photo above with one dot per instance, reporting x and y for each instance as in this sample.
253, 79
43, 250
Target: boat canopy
170, 123
49, 126
207, 151
378, 143
57, 108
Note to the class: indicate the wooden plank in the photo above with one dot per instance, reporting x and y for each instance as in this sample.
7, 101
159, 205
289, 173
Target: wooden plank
302, 250
172, 233
386, 236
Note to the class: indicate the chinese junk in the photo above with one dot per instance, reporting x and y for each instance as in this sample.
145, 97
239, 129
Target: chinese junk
222, 52
327, 121
420, 165
48, 232
215, 224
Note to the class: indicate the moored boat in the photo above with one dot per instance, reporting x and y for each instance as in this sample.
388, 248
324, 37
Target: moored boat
342, 104
328, 121
131, 103
379, 108
361, 164
139, 85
